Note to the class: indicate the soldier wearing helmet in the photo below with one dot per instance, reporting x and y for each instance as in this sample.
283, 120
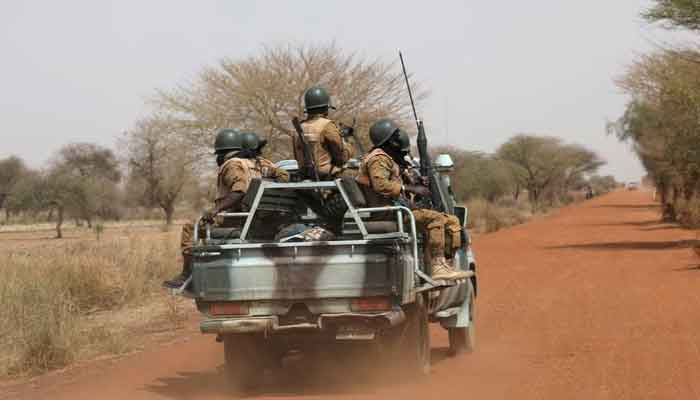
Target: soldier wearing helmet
238, 158
328, 148
380, 177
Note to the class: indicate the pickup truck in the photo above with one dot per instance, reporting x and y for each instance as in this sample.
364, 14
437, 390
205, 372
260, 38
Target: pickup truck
264, 295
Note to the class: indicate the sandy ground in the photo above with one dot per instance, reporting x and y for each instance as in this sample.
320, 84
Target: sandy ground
597, 301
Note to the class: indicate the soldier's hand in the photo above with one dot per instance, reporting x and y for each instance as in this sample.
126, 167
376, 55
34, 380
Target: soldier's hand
208, 216
418, 189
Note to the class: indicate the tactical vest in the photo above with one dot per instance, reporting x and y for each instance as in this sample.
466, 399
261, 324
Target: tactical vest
373, 198
313, 130
252, 169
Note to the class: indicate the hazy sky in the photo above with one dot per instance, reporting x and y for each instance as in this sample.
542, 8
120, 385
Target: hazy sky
81, 70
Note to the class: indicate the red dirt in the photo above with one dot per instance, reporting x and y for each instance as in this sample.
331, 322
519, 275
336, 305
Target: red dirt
598, 301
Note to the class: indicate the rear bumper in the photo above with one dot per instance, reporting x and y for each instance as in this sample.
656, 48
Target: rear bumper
270, 324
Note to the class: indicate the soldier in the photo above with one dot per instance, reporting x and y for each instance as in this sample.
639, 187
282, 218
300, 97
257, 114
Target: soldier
328, 148
453, 228
380, 176
238, 157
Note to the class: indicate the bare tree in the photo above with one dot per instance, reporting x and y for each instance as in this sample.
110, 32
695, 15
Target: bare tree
265, 91
160, 163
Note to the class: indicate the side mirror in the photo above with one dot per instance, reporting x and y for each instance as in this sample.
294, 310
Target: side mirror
444, 163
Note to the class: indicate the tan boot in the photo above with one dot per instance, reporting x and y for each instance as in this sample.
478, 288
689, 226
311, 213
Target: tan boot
440, 269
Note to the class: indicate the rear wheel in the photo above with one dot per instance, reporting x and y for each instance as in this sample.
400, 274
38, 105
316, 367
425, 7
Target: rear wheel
245, 361
463, 340
409, 343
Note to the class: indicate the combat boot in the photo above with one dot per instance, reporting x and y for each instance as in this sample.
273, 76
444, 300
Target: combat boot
440, 269
179, 280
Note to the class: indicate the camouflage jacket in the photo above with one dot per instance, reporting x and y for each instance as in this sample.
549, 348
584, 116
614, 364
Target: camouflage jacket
329, 150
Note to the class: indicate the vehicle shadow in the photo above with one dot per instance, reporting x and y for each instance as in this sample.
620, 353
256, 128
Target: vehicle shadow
661, 245
688, 268
645, 223
330, 376
628, 206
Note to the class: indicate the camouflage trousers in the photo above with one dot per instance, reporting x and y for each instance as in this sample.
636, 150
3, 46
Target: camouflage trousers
187, 236
441, 232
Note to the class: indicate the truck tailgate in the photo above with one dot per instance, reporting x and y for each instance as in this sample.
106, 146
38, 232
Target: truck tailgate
299, 272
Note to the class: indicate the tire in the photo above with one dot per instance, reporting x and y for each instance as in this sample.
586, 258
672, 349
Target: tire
244, 361
409, 343
463, 340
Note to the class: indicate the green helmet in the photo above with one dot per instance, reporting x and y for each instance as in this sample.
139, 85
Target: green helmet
228, 140
316, 99
381, 131
251, 141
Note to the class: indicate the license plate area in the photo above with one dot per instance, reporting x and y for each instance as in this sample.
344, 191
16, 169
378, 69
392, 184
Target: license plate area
350, 332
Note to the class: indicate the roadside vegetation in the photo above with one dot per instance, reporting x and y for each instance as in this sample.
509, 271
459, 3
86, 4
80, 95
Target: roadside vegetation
68, 300
662, 118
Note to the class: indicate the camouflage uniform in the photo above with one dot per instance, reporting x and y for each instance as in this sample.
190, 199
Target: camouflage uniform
380, 174
235, 175
453, 228
330, 151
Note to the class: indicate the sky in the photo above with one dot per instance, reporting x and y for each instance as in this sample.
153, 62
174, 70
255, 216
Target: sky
80, 70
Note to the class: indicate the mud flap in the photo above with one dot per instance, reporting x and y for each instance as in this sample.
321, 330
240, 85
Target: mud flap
460, 319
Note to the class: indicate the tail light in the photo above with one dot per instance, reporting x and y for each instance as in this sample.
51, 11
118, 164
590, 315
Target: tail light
371, 304
229, 308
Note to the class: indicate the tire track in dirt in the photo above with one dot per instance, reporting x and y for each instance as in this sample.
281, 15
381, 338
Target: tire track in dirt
596, 301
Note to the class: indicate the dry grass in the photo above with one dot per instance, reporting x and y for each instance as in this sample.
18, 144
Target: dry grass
485, 216
49, 293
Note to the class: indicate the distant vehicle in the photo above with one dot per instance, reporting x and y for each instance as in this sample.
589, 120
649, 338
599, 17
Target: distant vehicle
633, 186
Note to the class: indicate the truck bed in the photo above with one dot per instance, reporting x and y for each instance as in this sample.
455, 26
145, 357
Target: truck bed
304, 270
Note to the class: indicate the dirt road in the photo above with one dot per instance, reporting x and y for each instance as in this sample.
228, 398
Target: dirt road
598, 301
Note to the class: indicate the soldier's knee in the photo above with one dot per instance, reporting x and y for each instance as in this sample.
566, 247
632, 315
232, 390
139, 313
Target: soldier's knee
436, 221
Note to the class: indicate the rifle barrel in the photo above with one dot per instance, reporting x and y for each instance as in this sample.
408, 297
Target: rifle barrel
408, 86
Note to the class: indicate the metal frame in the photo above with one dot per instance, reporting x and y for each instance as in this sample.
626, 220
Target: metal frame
354, 213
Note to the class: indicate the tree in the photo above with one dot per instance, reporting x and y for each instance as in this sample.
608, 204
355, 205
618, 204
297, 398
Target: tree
675, 13
263, 93
12, 169
478, 175
89, 174
159, 163
662, 121
544, 164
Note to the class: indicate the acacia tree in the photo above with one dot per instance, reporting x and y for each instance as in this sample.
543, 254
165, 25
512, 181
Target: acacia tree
12, 169
160, 164
478, 175
544, 164
263, 92
675, 13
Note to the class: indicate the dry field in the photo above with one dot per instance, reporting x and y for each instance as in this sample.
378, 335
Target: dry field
82, 296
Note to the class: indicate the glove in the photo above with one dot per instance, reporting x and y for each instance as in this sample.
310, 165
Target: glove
418, 190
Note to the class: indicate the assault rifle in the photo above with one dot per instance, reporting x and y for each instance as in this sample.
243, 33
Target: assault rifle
437, 197
309, 166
